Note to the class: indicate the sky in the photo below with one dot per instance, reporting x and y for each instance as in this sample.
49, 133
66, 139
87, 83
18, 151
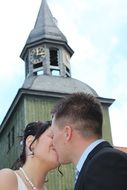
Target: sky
97, 32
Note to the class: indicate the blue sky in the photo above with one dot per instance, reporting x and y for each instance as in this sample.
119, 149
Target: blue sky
96, 30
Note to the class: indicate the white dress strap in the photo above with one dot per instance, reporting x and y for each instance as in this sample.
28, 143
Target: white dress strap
21, 185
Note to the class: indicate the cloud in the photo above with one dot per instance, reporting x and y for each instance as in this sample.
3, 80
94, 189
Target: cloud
119, 125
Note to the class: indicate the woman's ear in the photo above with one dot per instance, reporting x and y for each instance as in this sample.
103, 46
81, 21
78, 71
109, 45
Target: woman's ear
29, 140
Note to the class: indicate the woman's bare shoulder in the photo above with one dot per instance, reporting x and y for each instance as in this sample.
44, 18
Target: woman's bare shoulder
7, 173
7, 179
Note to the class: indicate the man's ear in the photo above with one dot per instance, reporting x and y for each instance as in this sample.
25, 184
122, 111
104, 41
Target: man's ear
68, 132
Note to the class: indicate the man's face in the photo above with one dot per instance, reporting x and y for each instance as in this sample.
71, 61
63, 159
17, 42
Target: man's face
59, 141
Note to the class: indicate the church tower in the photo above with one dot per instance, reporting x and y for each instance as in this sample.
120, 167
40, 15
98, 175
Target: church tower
46, 55
46, 51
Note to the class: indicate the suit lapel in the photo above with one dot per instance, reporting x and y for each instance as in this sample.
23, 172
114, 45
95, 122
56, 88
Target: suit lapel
98, 148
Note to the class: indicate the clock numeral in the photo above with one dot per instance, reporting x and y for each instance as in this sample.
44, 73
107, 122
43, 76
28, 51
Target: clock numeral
33, 51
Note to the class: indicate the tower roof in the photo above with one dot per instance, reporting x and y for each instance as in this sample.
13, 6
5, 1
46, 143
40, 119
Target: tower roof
57, 84
45, 26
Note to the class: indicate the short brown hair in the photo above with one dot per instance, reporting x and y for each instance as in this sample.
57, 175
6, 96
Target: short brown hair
82, 109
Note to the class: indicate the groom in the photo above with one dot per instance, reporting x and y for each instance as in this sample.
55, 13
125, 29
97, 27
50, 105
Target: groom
77, 137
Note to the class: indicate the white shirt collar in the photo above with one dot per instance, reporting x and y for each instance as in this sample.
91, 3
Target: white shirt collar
86, 153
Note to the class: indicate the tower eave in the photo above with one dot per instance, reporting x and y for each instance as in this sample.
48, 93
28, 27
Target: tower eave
48, 41
107, 101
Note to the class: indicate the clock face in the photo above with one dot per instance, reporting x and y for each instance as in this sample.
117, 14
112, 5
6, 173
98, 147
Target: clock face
37, 54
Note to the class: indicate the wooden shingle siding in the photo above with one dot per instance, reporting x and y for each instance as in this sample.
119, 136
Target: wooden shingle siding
33, 108
58, 182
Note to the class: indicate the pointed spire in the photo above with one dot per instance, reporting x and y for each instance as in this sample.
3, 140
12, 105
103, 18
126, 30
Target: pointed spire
45, 26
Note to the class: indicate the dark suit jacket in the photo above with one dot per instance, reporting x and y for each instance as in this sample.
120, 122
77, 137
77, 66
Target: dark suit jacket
104, 169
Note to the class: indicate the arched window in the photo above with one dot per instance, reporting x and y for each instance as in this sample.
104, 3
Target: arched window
54, 66
53, 57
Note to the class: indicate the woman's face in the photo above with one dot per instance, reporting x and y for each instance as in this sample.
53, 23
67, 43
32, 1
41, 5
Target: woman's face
44, 150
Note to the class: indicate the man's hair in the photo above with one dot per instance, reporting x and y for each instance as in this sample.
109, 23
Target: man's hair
82, 110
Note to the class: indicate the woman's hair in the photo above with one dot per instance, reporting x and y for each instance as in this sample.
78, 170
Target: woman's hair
36, 129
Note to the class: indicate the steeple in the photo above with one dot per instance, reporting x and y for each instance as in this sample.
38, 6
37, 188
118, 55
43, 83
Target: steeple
45, 26
46, 48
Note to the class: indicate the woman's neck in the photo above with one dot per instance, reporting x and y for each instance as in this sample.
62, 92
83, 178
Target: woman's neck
36, 172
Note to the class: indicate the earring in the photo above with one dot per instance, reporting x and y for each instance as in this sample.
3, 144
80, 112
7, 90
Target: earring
30, 153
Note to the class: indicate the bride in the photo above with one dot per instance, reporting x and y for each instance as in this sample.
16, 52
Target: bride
38, 157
